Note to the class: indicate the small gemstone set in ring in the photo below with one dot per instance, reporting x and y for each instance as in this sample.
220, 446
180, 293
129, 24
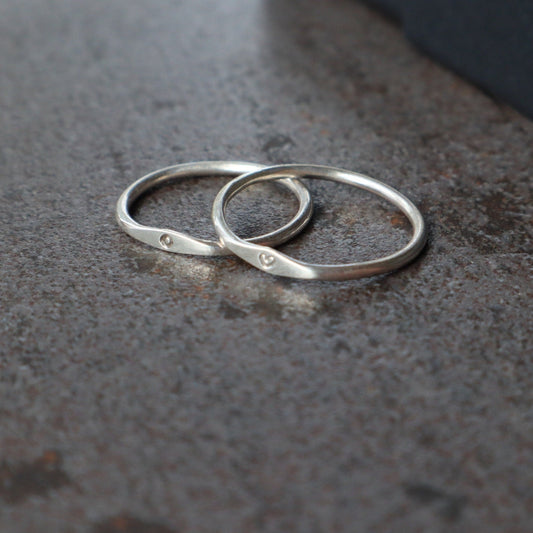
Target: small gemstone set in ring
259, 251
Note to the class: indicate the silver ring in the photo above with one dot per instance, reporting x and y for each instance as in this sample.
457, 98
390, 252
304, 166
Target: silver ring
275, 262
174, 241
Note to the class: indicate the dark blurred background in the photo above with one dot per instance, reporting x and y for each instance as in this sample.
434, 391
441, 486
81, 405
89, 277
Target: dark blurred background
490, 42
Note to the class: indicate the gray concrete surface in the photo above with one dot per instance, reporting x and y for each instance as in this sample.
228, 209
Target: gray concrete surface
142, 392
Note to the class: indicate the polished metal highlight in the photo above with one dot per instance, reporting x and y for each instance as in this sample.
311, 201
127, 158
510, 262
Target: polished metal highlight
174, 241
279, 264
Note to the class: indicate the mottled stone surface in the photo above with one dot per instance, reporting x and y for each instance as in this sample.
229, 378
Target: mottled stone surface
147, 392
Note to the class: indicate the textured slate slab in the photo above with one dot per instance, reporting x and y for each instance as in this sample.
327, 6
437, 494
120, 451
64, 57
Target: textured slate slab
146, 392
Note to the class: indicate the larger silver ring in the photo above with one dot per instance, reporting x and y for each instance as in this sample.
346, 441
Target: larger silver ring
275, 262
174, 241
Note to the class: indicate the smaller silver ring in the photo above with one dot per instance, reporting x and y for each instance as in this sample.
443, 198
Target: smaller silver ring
277, 263
176, 242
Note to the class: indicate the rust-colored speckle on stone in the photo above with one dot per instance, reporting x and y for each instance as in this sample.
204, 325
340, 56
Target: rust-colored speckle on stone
20, 480
128, 524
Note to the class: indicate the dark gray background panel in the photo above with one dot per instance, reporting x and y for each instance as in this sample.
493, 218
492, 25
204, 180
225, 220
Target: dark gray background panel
490, 42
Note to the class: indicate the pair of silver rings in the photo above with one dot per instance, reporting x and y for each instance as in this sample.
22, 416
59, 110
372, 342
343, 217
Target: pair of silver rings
259, 251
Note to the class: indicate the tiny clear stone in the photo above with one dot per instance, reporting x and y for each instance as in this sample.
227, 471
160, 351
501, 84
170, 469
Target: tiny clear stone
165, 240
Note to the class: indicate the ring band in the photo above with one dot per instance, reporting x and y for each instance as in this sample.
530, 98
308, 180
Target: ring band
174, 241
277, 263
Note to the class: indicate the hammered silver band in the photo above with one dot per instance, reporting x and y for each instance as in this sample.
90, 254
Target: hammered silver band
280, 264
177, 242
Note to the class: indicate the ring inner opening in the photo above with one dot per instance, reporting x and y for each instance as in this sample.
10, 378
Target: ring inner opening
185, 205
349, 225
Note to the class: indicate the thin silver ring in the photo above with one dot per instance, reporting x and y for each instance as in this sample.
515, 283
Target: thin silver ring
279, 264
174, 241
